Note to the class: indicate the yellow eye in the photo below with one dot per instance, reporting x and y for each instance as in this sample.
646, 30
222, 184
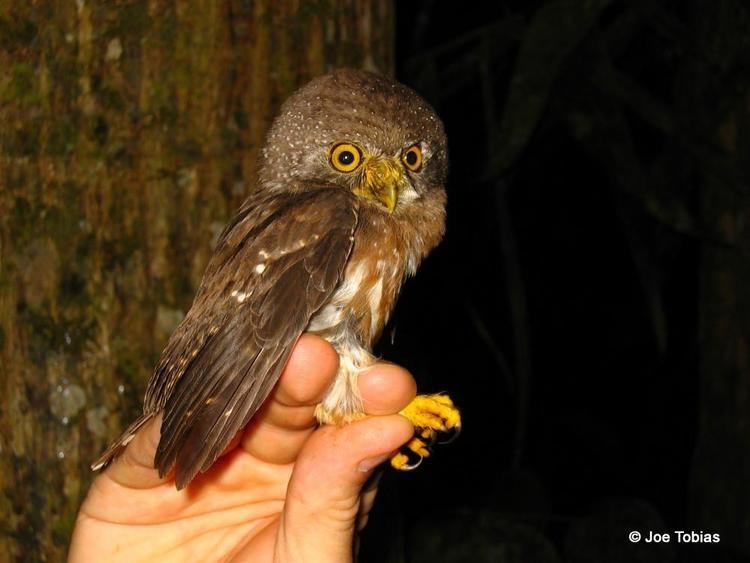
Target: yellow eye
345, 157
413, 158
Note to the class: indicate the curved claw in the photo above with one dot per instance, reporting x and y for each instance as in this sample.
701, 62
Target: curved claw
401, 461
455, 432
432, 438
412, 466
430, 415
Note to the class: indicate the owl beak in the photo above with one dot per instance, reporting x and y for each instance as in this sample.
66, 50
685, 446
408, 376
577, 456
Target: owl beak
382, 179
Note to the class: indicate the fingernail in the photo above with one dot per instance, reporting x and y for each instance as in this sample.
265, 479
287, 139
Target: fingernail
371, 463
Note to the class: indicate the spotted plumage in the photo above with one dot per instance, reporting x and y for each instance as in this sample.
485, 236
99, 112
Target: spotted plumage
350, 200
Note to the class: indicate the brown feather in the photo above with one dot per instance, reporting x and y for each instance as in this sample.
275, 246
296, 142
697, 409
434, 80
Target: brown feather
303, 253
275, 265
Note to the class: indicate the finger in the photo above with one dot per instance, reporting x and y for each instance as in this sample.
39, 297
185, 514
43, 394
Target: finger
386, 388
323, 497
308, 374
311, 368
134, 468
279, 430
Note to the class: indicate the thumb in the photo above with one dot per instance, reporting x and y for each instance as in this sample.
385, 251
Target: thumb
323, 497
134, 468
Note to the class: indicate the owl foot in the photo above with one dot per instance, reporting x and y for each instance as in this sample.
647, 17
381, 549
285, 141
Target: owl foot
431, 415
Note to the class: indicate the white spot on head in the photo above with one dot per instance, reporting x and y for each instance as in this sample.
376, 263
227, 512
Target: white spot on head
263, 254
229, 412
260, 268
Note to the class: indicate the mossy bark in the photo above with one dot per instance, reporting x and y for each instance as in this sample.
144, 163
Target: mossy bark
129, 132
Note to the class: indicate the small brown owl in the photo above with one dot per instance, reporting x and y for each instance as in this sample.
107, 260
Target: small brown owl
350, 200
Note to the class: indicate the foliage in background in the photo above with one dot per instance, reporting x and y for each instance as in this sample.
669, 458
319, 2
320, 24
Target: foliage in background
656, 95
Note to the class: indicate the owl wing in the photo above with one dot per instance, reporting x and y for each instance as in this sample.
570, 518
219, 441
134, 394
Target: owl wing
276, 264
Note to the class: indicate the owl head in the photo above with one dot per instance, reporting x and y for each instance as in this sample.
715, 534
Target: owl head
362, 131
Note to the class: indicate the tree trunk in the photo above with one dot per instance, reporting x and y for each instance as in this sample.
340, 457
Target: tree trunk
129, 132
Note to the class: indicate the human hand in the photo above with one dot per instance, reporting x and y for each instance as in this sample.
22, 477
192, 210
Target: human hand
285, 490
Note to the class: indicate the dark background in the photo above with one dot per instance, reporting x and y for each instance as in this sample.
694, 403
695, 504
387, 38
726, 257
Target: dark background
589, 309
562, 310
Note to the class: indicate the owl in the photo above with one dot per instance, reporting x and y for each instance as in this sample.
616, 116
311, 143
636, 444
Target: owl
350, 199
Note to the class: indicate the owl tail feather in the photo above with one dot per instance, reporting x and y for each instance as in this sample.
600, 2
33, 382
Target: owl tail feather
118, 445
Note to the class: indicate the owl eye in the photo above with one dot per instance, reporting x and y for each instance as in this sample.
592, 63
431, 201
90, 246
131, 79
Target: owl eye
413, 158
345, 157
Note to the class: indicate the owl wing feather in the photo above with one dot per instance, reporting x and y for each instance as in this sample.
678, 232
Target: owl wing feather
276, 263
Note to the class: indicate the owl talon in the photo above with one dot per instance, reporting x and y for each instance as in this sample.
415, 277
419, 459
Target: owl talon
453, 435
433, 412
401, 461
429, 436
431, 415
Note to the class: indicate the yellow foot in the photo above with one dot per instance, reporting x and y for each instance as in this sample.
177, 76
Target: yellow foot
429, 414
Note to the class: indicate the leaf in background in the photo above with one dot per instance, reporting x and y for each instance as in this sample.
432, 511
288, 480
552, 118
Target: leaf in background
554, 32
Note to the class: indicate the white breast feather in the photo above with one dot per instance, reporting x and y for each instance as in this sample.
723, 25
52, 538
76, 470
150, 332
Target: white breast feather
342, 402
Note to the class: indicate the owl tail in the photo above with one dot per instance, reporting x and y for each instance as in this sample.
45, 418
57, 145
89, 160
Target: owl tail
118, 445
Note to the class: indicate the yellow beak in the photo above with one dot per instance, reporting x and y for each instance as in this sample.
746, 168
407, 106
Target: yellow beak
382, 179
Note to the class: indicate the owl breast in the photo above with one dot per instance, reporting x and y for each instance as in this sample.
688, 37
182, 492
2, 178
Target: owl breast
384, 253
351, 321
361, 305
354, 316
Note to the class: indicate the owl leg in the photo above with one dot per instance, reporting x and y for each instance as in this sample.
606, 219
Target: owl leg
342, 403
431, 415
